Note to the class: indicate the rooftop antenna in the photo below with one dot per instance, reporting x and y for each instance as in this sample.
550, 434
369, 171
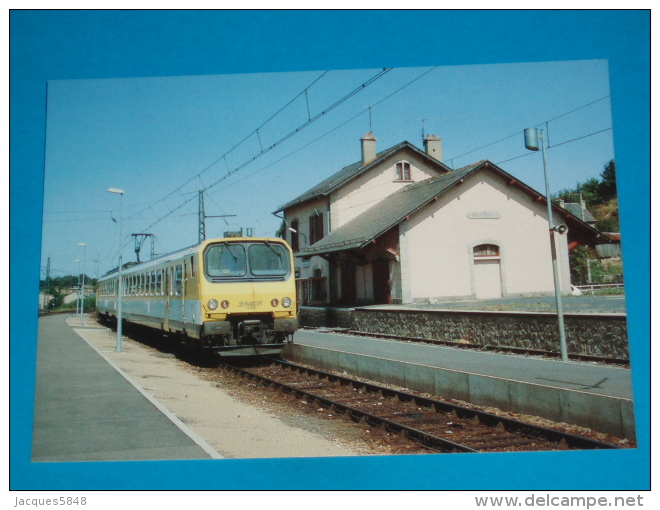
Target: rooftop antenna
423, 127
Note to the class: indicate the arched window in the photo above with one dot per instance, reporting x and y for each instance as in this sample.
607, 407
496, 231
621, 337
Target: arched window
487, 250
402, 171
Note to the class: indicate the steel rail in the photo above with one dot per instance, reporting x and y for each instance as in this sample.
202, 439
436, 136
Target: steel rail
564, 439
422, 438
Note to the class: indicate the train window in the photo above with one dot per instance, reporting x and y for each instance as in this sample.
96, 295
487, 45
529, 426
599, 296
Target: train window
268, 259
177, 282
225, 260
159, 282
192, 266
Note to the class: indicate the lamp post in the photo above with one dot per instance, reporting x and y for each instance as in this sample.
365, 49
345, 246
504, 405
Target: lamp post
120, 286
82, 287
78, 297
532, 143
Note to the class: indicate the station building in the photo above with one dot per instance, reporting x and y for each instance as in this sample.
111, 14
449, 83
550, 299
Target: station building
400, 226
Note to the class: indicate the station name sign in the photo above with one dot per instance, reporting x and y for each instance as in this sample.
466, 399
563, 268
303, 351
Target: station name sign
484, 215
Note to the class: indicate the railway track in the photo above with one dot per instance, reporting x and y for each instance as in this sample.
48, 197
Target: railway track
434, 425
492, 348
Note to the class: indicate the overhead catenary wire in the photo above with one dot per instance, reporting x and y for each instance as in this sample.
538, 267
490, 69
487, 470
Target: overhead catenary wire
538, 124
247, 137
348, 121
283, 139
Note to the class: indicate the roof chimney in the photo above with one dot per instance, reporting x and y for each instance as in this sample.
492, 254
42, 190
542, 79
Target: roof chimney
433, 147
368, 148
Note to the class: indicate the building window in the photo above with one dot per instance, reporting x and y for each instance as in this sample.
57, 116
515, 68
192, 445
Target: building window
315, 228
294, 236
487, 250
403, 171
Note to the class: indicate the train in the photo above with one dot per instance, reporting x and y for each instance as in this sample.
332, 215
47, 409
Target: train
235, 296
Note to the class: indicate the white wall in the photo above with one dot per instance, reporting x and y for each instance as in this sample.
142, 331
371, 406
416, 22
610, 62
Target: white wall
370, 188
302, 214
439, 241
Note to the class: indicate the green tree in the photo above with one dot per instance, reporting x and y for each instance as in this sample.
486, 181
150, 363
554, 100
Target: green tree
579, 264
607, 187
281, 231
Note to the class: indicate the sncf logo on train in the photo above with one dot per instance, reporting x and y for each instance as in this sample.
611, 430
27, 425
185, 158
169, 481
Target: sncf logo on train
250, 305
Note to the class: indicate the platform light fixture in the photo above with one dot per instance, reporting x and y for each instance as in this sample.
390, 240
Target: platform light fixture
532, 143
82, 286
120, 287
78, 297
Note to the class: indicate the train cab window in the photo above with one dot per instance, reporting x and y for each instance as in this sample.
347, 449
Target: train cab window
225, 260
177, 281
192, 266
268, 259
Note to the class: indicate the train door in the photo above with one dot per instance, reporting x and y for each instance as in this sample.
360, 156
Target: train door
177, 305
167, 289
189, 291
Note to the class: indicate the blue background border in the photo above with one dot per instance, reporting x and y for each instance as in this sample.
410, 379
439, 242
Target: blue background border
55, 45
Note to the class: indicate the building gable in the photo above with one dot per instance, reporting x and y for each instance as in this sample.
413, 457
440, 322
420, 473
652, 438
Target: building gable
355, 170
400, 205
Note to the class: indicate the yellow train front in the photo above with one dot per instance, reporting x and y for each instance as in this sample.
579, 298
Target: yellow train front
235, 295
247, 295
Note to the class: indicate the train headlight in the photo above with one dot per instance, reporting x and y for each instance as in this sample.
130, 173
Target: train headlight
274, 303
286, 302
212, 304
225, 304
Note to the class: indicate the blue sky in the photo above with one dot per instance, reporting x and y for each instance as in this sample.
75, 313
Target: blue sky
162, 139
70, 46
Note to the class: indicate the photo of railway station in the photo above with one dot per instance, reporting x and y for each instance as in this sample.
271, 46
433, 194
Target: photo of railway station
384, 230
340, 265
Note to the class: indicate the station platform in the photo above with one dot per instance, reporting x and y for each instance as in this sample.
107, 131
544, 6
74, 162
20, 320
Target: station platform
87, 409
590, 395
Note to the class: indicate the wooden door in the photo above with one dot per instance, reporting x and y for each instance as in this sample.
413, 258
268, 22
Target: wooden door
381, 281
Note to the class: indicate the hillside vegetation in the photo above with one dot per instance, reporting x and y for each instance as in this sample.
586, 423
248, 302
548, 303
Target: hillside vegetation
600, 197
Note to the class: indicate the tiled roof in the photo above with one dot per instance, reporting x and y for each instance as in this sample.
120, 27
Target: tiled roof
351, 172
387, 213
393, 209
577, 211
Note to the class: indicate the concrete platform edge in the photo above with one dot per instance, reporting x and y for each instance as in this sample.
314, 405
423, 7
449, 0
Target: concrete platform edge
602, 413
